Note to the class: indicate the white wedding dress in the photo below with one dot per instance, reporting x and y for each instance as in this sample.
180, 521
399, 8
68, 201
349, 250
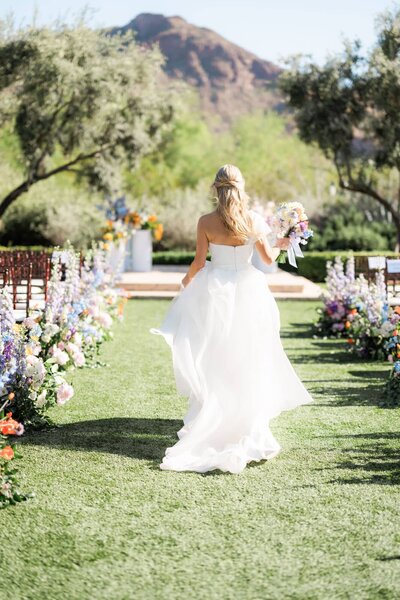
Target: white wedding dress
228, 359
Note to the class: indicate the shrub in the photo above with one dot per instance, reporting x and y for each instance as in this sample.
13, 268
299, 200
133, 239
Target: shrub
179, 213
49, 222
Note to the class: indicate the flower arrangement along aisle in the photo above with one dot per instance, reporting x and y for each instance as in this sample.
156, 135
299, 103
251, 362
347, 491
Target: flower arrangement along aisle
78, 316
10, 493
36, 355
355, 309
291, 221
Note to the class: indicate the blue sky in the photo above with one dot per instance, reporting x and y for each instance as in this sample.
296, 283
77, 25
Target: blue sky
272, 29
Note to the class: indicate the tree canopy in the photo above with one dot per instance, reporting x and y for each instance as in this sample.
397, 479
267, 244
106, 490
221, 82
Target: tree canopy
350, 108
80, 101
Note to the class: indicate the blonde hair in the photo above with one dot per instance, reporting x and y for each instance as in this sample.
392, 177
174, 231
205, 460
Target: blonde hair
232, 202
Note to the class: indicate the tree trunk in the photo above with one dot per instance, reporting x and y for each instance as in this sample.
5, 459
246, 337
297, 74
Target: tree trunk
13, 195
397, 247
24, 187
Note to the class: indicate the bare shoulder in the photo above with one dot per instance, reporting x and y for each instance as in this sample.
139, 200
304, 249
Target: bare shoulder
207, 219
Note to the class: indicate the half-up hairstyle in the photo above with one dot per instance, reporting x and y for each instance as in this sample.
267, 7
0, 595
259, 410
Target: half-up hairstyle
232, 202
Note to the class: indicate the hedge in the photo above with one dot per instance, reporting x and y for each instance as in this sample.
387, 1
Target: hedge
312, 266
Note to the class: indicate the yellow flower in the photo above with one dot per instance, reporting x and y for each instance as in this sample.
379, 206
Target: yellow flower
108, 236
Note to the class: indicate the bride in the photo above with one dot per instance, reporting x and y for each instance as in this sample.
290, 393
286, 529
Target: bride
223, 330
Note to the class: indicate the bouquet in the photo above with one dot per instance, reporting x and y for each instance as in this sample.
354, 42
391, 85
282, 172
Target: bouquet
292, 222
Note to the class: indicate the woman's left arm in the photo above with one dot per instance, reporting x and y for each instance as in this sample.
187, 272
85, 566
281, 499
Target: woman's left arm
201, 253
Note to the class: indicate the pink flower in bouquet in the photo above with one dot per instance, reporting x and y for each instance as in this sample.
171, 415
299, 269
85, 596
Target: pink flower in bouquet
64, 393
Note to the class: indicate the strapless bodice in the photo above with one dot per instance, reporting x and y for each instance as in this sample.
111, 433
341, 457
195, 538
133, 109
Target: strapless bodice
231, 257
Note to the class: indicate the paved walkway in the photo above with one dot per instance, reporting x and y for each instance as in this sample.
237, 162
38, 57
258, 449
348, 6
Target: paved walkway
163, 281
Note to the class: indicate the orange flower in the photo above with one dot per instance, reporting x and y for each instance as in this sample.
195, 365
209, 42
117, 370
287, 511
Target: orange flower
11, 396
397, 310
347, 325
158, 232
350, 341
395, 332
353, 311
9, 426
7, 453
152, 219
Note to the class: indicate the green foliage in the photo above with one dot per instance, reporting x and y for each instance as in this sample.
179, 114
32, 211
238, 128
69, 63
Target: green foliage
353, 224
50, 221
275, 163
187, 154
80, 101
350, 108
391, 393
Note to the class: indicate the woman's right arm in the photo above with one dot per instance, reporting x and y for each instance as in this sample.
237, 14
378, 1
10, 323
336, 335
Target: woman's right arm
269, 253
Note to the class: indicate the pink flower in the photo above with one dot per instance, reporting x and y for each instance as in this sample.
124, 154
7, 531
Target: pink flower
64, 393
60, 356
105, 320
79, 358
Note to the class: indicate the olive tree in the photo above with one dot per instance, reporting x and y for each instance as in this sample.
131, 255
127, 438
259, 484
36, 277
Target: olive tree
80, 101
350, 108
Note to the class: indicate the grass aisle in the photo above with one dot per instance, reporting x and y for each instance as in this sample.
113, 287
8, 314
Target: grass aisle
317, 522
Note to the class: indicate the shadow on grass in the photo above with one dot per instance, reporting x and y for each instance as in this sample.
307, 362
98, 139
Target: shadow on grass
374, 462
297, 330
369, 394
145, 439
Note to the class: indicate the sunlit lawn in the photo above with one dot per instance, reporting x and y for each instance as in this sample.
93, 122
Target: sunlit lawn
317, 522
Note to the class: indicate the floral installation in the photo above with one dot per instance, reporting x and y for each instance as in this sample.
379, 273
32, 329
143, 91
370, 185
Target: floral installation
291, 221
123, 221
355, 309
9, 487
358, 311
144, 220
37, 355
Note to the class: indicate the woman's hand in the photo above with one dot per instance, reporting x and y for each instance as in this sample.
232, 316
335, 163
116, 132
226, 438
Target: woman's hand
283, 243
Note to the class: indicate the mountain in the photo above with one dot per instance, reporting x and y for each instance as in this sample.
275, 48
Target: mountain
230, 80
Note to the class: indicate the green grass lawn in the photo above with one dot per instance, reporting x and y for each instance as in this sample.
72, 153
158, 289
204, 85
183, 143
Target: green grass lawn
320, 521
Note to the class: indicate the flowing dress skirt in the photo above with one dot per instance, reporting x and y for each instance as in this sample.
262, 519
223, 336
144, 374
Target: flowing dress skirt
228, 359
